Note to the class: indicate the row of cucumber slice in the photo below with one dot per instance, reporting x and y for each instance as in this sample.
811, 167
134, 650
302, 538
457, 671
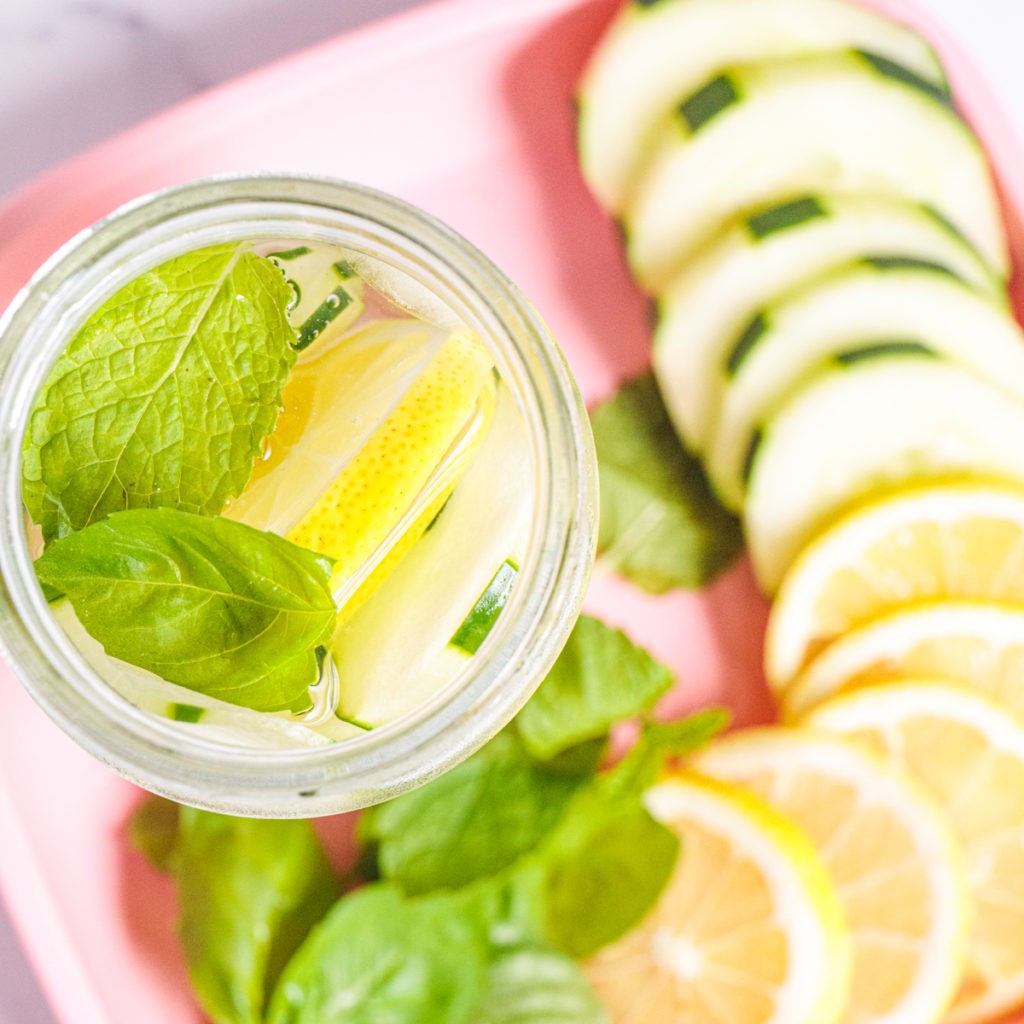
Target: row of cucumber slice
825, 246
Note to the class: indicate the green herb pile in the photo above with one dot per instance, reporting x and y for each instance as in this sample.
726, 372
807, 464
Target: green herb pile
474, 897
147, 424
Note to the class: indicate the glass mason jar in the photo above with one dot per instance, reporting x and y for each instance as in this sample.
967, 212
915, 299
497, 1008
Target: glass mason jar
154, 752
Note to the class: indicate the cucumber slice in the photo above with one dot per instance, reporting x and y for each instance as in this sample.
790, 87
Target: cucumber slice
484, 613
770, 252
848, 315
328, 292
653, 53
857, 430
846, 123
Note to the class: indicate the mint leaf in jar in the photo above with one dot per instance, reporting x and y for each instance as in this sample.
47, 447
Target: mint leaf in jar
164, 395
208, 603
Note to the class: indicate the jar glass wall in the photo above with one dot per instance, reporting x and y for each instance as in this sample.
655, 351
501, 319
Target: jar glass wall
447, 279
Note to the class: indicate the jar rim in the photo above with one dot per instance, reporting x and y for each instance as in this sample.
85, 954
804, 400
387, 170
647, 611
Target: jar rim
392, 758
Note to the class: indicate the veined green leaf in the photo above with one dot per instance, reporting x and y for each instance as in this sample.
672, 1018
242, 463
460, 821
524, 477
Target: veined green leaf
165, 394
538, 986
379, 958
660, 524
250, 891
600, 677
208, 603
471, 822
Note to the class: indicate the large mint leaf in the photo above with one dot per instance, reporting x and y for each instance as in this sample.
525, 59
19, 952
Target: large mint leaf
600, 677
207, 603
379, 958
471, 822
250, 891
660, 524
605, 868
164, 395
538, 986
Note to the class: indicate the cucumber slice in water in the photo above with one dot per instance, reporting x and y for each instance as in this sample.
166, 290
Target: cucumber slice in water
655, 53
850, 314
766, 254
482, 616
855, 431
847, 123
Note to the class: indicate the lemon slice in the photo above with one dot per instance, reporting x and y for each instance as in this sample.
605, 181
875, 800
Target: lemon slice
385, 498
969, 753
976, 643
952, 540
749, 929
894, 860
336, 397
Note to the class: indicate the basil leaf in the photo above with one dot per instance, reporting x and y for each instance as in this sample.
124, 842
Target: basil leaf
659, 742
599, 678
379, 958
606, 866
208, 603
250, 890
153, 830
164, 395
469, 823
661, 526
538, 986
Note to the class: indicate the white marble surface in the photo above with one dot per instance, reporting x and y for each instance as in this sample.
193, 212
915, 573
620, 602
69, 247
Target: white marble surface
73, 72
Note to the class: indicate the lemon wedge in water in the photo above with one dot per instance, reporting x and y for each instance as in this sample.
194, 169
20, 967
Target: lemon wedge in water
388, 494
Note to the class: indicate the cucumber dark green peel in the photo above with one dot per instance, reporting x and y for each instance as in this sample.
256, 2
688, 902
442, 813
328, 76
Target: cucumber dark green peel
708, 102
336, 301
481, 618
291, 254
748, 459
186, 712
898, 73
885, 348
344, 270
908, 263
787, 215
746, 341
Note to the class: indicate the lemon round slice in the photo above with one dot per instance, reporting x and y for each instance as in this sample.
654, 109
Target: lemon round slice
394, 486
951, 540
749, 929
893, 857
976, 643
969, 753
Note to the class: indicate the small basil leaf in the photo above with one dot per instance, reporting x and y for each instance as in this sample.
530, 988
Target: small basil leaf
379, 958
538, 986
661, 526
250, 891
605, 869
208, 603
599, 678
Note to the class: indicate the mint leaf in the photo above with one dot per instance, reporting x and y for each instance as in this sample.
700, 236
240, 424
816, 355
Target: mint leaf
250, 891
208, 603
538, 986
153, 830
660, 742
661, 526
469, 823
379, 958
164, 395
599, 678
605, 867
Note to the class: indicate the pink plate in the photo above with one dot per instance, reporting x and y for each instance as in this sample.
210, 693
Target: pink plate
465, 108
